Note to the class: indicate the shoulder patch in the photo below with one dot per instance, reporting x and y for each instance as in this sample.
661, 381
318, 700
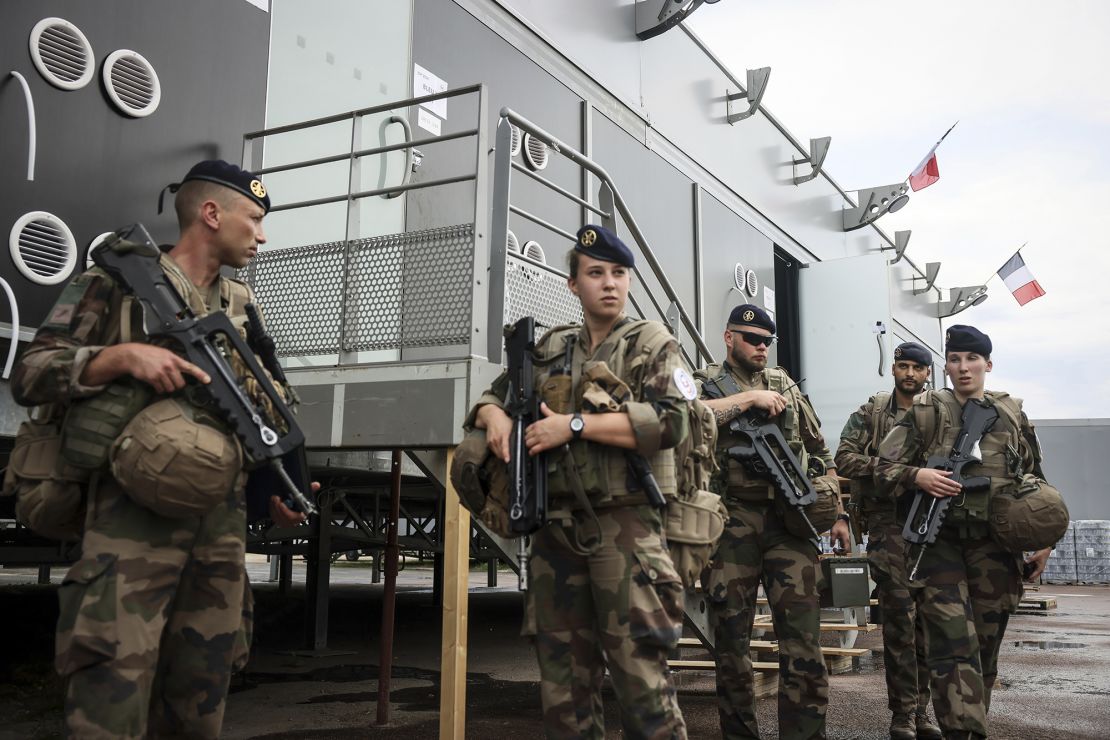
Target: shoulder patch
685, 384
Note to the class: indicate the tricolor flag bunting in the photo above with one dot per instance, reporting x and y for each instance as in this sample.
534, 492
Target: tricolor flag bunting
1019, 280
928, 171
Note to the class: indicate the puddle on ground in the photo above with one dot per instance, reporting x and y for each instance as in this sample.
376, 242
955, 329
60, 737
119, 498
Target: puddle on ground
1047, 645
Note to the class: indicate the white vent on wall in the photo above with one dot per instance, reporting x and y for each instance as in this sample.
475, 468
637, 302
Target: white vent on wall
752, 283
131, 83
512, 244
62, 54
514, 146
738, 276
535, 152
43, 247
93, 244
533, 251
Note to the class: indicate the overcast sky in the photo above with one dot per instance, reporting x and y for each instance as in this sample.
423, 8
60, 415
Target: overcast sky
1029, 161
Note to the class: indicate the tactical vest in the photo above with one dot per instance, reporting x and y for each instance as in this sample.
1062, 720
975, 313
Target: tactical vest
93, 424
880, 423
937, 417
740, 483
603, 470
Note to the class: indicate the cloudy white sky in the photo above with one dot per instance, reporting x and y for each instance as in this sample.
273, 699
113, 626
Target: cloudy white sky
1029, 161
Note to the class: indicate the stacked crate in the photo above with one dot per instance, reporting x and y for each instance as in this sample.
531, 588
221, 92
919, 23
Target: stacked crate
1061, 564
1092, 551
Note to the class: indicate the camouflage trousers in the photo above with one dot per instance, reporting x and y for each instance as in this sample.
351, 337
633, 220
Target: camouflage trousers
907, 673
972, 586
756, 546
153, 618
619, 607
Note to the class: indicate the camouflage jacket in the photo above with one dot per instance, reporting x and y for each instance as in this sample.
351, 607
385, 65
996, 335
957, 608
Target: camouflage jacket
857, 455
799, 424
87, 317
905, 448
656, 407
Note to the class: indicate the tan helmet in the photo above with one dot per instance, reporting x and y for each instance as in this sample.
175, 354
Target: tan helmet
173, 464
1029, 516
482, 483
821, 513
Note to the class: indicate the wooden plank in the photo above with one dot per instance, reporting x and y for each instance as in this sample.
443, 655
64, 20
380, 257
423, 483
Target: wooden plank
1040, 603
762, 601
456, 579
839, 627
843, 651
709, 665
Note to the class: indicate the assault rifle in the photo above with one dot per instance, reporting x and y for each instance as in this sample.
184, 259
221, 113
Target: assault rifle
922, 527
130, 257
763, 452
527, 474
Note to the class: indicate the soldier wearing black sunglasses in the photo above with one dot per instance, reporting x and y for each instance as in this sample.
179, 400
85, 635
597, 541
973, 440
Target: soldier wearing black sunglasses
760, 545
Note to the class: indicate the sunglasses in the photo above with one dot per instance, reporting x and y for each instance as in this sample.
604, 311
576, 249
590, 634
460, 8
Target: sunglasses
755, 339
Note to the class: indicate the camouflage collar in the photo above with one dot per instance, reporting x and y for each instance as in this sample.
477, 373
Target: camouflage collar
755, 379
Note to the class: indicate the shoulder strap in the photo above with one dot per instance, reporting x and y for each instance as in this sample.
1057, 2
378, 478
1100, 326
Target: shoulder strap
234, 295
1009, 407
879, 403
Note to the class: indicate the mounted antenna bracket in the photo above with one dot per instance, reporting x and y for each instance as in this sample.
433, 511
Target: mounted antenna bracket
818, 149
931, 270
961, 299
875, 203
757, 85
654, 17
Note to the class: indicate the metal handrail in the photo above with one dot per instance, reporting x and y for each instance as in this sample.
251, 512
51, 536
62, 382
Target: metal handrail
502, 207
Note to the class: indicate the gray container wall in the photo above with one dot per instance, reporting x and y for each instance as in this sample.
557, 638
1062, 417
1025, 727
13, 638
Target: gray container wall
97, 169
1073, 450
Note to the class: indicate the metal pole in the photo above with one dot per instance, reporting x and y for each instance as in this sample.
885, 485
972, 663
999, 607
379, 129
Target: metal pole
392, 553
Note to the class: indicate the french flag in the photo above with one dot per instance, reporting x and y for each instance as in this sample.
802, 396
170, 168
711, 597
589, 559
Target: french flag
1019, 280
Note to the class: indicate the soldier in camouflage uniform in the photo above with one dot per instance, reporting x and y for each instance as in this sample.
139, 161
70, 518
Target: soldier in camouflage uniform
603, 592
907, 675
156, 613
970, 583
757, 545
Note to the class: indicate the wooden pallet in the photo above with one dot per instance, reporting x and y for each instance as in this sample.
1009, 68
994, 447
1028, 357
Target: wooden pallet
1038, 603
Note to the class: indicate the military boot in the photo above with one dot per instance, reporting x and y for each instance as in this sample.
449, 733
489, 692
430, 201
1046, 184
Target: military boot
926, 730
902, 727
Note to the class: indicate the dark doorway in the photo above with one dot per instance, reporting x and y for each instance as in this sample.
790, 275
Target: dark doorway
786, 312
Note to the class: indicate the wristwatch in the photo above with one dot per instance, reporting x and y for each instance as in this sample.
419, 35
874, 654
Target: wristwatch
576, 426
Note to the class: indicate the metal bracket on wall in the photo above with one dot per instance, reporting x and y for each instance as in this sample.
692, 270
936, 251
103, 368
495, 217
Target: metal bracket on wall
931, 270
961, 299
818, 150
757, 86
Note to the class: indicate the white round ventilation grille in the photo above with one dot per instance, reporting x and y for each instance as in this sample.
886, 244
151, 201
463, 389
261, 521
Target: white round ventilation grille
514, 146
62, 54
751, 283
533, 251
43, 247
93, 244
512, 244
131, 83
535, 152
738, 276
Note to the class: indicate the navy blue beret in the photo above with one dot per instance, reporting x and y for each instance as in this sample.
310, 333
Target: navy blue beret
749, 314
602, 244
913, 352
962, 338
228, 175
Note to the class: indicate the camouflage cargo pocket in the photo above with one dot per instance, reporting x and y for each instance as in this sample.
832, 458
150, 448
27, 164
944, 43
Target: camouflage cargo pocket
87, 620
655, 601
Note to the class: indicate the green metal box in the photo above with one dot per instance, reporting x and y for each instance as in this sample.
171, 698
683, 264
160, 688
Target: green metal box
847, 582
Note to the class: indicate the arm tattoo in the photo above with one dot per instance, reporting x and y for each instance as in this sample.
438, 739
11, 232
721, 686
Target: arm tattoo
724, 416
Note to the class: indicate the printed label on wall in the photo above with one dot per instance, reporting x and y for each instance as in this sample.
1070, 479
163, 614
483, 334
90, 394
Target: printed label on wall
768, 298
428, 122
426, 83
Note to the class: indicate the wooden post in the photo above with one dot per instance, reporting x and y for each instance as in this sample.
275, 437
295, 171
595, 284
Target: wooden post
456, 579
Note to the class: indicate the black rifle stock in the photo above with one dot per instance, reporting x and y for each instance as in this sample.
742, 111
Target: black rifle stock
923, 525
130, 257
764, 452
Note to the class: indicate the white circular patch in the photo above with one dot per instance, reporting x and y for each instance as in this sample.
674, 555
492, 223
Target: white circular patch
685, 383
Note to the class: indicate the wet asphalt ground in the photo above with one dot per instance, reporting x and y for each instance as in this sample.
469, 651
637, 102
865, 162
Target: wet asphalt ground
1055, 668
